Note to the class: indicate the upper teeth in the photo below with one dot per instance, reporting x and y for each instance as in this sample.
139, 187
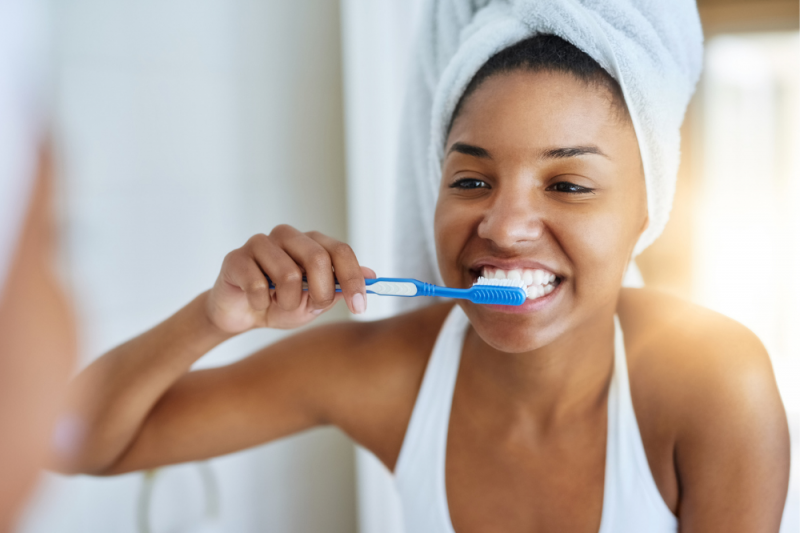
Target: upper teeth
539, 282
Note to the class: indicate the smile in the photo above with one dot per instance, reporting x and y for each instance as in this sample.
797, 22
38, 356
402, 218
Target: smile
538, 282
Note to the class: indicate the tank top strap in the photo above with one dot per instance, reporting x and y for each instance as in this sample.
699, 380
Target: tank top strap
419, 472
631, 497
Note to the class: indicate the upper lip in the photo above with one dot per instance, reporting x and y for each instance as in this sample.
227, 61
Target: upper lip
512, 264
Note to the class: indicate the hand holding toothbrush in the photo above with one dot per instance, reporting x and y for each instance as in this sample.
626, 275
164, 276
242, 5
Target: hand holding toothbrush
241, 298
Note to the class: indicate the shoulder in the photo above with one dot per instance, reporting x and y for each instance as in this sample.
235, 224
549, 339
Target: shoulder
704, 393
692, 350
696, 359
369, 374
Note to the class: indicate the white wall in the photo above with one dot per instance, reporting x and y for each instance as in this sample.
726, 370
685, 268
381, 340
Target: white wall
182, 128
377, 38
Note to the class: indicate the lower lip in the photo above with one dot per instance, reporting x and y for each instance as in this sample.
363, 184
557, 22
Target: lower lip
530, 305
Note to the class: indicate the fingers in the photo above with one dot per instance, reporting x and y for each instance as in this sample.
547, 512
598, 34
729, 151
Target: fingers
285, 255
314, 260
242, 272
270, 259
348, 272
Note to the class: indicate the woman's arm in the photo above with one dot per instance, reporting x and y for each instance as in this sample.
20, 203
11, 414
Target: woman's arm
137, 406
710, 414
732, 446
111, 399
360, 376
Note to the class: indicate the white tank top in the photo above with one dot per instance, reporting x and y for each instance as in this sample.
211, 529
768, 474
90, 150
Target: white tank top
631, 500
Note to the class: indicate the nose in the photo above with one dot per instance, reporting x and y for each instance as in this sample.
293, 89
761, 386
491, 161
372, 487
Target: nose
512, 219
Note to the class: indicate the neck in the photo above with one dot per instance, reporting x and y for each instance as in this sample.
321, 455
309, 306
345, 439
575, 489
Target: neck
564, 378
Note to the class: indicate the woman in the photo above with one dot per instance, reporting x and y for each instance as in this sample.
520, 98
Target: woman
537, 418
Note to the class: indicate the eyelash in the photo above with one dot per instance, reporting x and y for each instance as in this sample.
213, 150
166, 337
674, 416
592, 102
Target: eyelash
571, 187
574, 189
461, 184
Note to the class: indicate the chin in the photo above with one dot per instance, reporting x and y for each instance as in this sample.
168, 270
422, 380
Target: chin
509, 333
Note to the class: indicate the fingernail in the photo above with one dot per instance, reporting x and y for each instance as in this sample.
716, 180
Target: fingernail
359, 303
317, 311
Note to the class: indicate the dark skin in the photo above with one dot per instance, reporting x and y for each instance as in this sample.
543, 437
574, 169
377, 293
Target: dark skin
546, 172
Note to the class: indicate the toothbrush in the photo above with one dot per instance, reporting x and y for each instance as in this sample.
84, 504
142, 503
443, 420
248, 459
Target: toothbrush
484, 291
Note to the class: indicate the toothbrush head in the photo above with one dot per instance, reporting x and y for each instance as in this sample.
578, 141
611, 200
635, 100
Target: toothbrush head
498, 291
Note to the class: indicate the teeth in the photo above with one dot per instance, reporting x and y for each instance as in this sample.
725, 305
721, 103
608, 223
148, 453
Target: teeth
539, 282
535, 291
527, 277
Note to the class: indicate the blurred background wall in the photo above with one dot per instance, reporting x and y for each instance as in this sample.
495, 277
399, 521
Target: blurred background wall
377, 39
182, 128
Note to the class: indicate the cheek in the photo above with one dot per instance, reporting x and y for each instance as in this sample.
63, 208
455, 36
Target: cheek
452, 223
600, 242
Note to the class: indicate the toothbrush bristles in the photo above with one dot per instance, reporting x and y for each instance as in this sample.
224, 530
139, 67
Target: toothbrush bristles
501, 282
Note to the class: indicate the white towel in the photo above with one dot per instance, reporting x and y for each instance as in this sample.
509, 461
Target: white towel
653, 48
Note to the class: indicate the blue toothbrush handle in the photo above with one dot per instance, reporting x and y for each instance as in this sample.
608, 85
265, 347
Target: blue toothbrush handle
389, 287
423, 289
447, 292
407, 287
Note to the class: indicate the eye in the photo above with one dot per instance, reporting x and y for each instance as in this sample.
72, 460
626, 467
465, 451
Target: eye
567, 187
469, 183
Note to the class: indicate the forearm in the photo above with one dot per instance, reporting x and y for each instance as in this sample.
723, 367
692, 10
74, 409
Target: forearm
110, 400
122, 412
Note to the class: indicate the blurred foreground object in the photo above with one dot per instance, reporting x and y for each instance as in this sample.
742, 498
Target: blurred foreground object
37, 350
37, 343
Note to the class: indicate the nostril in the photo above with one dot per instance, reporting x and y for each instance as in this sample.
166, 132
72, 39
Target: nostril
507, 228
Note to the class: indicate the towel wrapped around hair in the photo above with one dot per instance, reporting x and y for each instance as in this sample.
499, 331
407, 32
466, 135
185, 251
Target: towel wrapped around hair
652, 48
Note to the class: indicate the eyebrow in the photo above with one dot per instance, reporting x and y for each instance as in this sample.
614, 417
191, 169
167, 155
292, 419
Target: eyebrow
553, 153
469, 149
572, 151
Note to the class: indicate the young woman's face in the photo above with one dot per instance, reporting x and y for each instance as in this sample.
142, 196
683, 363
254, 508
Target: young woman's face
542, 180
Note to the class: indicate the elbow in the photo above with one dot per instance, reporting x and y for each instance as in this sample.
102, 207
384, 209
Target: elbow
81, 466
86, 460
77, 451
